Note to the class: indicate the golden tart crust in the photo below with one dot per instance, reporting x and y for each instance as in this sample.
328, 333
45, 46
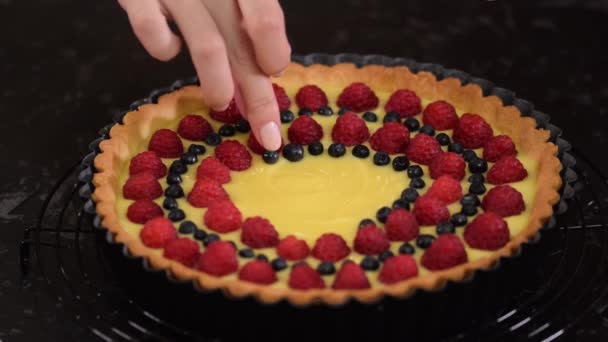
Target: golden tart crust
139, 125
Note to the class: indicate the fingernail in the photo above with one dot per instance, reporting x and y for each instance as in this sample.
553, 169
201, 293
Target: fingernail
271, 136
279, 74
220, 109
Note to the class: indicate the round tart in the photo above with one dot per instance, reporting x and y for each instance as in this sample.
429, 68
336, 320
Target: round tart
388, 181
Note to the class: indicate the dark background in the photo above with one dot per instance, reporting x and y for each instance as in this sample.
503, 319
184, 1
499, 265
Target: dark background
65, 65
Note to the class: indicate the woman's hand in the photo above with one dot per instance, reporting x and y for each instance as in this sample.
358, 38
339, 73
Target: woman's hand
235, 46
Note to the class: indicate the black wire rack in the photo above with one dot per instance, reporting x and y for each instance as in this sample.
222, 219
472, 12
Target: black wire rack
560, 286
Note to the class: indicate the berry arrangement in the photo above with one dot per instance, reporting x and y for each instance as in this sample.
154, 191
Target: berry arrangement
411, 134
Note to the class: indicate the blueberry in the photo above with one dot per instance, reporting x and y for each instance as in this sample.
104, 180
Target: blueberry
361, 151
293, 152
412, 124
477, 188
174, 191
210, 238
459, 220
456, 148
414, 171
315, 148
336, 150
246, 253
443, 139
477, 178
407, 248
197, 149
286, 116
227, 130
279, 264
366, 222
400, 163
370, 117
381, 158
445, 228
409, 195
369, 263
305, 111
478, 165
200, 235
178, 167
392, 117
343, 110
382, 214
169, 203
270, 157
424, 241
401, 204
173, 178
469, 155
187, 227
189, 158
242, 126
326, 111
176, 215
469, 210
470, 199
385, 255
262, 257
427, 129
326, 268
417, 183
213, 139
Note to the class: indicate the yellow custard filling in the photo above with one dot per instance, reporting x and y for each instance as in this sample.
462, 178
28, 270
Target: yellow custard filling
320, 194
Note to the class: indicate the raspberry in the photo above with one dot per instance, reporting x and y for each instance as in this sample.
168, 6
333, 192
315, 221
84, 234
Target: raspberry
498, 147
212, 168
445, 252
430, 211
472, 131
304, 130
194, 127
259, 272
291, 248
423, 149
330, 247
504, 201
446, 189
507, 170
398, 268
350, 130
143, 210
392, 137
183, 250
166, 144
157, 232
223, 217
258, 232
401, 225
205, 192
448, 163
370, 240
149, 162
311, 97
405, 102
487, 231
358, 97
234, 155
441, 115
256, 147
229, 115
304, 277
350, 277
282, 99
219, 259
142, 186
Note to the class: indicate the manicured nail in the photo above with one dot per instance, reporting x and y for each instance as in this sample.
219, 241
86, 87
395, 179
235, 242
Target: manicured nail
279, 74
220, 109
271, 136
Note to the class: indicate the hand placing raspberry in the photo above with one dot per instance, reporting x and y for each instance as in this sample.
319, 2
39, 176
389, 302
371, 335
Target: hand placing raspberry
235, 46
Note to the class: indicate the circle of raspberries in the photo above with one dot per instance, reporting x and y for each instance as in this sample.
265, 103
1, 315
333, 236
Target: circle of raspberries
143, 210
350, 276
194, 127
157, 232
448, 163
423, 149
304, 277
430, 210
205, 192
258, 271
213, 168
147, 161
445, 252
404, 102
223, 217
401, 225
258, 232
229, 115
472, 131
219, 259
183, 250
398, 268
358, 97
370, 240
166, 144
304, 131
283, 100
311, 97
330, 247
503, 200
487, 231
234, 155
440, 115
507, 170
142, 186
498, 147
350, 130
292, 248
446, 189
391, 138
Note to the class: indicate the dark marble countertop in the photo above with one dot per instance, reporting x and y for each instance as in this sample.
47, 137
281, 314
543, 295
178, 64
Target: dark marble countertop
65, 65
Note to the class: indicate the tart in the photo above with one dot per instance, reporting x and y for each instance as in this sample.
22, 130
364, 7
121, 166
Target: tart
388, 181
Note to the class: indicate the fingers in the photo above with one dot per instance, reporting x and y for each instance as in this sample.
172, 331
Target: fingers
151, 28
264, 23
207, 49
